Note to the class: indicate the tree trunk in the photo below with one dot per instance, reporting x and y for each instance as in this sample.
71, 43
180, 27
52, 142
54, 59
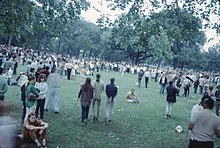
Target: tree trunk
182, 65
9, 40
58, 48
175, 63
158, 62
38, 43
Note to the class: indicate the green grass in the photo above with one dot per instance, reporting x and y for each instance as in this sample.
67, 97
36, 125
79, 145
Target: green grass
136, 126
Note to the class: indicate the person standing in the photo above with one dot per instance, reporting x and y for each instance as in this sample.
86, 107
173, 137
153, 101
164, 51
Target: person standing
146, 76
15, 66
111, 92
3, 86
7, 65
196, 84
53, 82
69, 69
85, 95
42, 86
22, 80
45, 71
163, 83
171, 98
31, 96
186, 86
179, 83
217, 97
140, 75
201, 84
98, 89
203, 125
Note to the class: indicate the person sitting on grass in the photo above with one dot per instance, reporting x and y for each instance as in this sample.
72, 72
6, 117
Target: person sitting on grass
33, 129
131, 97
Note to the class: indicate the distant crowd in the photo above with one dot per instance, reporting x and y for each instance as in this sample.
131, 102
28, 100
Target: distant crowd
40, 84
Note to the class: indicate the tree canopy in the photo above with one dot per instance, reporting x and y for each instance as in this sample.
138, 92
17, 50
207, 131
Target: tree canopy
154, 31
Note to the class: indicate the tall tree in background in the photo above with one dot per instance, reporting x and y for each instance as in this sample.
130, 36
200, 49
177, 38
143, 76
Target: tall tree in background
15, 17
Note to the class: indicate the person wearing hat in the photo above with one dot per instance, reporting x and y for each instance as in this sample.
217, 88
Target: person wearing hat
217, 97
203, 125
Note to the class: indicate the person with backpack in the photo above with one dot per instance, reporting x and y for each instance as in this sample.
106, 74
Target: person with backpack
217, 98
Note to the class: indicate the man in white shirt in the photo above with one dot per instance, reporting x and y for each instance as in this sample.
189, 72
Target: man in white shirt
146, 76
203, 125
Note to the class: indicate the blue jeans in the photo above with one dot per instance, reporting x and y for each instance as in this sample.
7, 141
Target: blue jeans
201, 89
85, 112
162, 88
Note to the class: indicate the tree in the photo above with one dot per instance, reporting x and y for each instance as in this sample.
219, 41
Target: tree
161, 47
183, 31
15, 16
212, 57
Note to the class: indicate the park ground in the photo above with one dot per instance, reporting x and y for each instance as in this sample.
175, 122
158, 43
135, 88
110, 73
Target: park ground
134, 125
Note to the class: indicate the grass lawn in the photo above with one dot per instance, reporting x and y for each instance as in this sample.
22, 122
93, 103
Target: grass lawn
134, 125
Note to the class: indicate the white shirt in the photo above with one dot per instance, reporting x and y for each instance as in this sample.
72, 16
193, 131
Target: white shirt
147, 74
43, 87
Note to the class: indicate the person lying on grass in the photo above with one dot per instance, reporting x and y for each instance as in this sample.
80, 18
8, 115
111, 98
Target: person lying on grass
33, 129
131, 97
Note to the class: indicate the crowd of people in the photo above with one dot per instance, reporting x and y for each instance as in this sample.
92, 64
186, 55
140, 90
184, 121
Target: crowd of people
40, 83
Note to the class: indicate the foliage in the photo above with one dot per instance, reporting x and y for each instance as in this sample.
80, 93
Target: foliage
150, 31
15, 16
212, 58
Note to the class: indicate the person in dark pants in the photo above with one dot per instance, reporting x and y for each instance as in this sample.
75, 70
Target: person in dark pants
15, 67
140, 75
42, 86
69, 69
179, 84
111, 93
171, 98
196, 85
157, 74
85, 95
21, 80
217, 102
203, 125
146, 76
23, 99
163, 83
